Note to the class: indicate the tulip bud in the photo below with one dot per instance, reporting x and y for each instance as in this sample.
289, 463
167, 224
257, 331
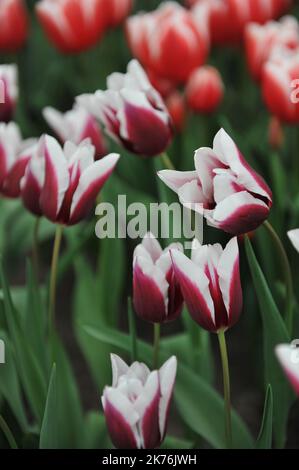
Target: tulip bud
176, 107
132, 112
14, 157
76, 125
275, 133
13, 25
223, 187
9, 91
136, 406
288, 356
170, 41
205, 90
63, 183
210, 284
72, 26
157, 296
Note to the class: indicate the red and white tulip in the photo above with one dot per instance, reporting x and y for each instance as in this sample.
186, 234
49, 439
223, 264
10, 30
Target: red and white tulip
210, 284
223, 187
132, 112
288, 356
76, 125
13, 24
170, 41
9, 91
205, 90
63, 183
157, 296
136, 406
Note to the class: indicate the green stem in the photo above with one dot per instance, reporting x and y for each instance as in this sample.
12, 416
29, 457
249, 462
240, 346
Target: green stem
7, 433
157, 334
167, 162
53, 276
287, 273
226, 388
35, 246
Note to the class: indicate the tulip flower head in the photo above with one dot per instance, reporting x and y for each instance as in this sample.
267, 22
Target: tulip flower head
210, 284
170, 41
223, 187
13, 24
204, 90
76, 125
157, 295
63, 183
294, 238
9, 91
14, 157
288, 356
136, 407
132, 112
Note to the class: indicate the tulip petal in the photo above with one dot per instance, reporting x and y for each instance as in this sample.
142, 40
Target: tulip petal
119, 368
176, 179
206, 161
147, 406
91, 182
152, 246
294, 237
288, 357
11, 185
195, 288
167, 374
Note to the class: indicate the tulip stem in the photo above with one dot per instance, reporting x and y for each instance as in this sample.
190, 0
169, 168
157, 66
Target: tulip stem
167, 162
53, 276
226, 387
157, 334
286, 269
7, 433
35, 246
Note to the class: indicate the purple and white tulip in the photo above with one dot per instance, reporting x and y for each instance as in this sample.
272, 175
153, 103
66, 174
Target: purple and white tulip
137, 404
14, 157
132, 112
76, 125
157, 295
223, 187
63, 183
210, 283
288, 356
9, 91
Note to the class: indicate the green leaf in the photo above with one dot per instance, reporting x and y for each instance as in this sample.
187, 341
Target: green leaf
172, 442
264, 440
49, 435
275, 333
96, 434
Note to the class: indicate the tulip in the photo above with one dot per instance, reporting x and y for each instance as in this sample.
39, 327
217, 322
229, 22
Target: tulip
9, 91
170, 41
205, 90
261, 40
14, 157
13, 25
62, 183
76, 125
294, 237
157, 296
116, 11
223, 188
132, 112
136, 407
177, 109
210, 284
280, 85
288, 356
72, 25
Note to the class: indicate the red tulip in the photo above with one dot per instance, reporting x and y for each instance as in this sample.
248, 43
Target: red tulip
13, 24
177, 109
14, 157
223, 187
204, 90
156, 294
288, 356
62, 184
170, 41
76, 125
261, 40
132, 112
116, 11
72, 25
9, 91
211, 284
136, 406
280, 85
